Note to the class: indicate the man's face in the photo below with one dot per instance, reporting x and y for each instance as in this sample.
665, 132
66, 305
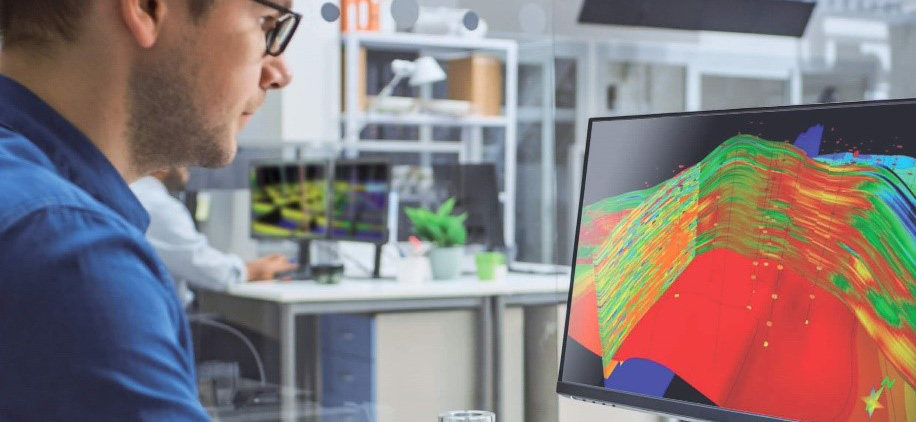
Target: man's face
193, 95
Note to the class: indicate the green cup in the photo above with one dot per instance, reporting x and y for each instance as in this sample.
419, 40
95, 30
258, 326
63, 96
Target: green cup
487, 262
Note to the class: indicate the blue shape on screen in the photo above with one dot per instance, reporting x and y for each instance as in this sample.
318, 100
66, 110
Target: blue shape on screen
810, 140
641, 376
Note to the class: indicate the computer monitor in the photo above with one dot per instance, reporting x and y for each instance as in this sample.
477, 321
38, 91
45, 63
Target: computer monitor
475, 188
359, 208
748, 265
289, 200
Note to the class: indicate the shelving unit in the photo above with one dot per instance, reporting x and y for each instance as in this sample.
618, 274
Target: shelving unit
470, 149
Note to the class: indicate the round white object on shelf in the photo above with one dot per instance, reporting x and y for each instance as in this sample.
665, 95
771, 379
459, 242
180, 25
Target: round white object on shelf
405, 13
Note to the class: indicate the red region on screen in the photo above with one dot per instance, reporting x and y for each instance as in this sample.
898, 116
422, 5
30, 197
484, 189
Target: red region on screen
754, 335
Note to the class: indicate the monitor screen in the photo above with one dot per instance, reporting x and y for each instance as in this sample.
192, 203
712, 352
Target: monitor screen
360, 201
289, 200
768, 17
748, 265
475, 188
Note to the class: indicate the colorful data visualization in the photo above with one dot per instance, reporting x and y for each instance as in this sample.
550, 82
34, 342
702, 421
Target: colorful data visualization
775, 275
289, 200
360, 204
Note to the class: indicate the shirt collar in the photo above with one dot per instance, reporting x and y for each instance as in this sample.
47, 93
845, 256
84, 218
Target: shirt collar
75, 157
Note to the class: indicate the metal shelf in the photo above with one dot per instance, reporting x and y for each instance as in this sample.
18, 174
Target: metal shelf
471, 146
407, 41
409, 146
418, 119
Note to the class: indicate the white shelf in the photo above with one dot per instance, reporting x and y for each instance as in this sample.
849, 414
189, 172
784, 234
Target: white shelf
408, 41
417, 119
528, 114
409, 146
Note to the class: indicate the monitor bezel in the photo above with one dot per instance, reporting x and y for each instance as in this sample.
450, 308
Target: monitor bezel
655, 405
333, 178
280, 162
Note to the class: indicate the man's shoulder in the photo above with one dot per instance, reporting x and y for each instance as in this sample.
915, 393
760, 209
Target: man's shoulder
29, 182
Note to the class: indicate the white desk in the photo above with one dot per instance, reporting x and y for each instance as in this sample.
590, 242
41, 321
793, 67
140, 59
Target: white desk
276, 304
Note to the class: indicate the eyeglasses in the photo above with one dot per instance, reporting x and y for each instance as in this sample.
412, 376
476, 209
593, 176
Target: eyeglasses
281, 33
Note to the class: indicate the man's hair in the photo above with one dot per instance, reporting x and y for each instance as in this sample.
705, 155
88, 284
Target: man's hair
37, 22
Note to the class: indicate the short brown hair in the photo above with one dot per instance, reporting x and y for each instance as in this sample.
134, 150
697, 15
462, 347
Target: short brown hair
44, 21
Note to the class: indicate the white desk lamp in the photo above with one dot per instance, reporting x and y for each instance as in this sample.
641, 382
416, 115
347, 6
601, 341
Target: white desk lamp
422, 71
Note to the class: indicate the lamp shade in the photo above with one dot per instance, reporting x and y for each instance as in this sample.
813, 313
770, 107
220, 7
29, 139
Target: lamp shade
427, 71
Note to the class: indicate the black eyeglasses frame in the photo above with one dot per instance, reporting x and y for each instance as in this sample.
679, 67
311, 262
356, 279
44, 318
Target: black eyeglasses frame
272, 34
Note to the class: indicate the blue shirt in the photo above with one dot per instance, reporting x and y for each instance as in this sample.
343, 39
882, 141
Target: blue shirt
90, 326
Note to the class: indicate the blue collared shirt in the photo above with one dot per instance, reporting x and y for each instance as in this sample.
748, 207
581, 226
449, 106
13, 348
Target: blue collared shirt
90, 326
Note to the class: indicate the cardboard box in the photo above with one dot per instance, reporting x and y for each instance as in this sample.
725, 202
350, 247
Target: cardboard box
361, 77
478, 79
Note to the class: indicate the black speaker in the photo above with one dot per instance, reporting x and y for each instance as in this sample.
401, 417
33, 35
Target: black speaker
770, 17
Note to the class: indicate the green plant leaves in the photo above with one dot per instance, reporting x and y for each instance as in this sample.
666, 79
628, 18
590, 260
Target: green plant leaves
446, 208
441, 227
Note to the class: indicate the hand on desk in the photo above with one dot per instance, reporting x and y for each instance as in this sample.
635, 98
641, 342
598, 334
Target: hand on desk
266, 267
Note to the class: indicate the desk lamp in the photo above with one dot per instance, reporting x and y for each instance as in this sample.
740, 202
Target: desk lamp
422, 71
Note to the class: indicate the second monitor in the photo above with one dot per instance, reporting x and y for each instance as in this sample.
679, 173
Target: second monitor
304, 201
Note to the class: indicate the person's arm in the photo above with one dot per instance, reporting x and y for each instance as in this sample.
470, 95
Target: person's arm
90, 326
187, 253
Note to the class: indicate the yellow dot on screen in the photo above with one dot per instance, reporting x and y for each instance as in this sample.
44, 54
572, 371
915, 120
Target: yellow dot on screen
811, 296
806, 322
753, 277
766, 344
774, 296
756, 263
769, 323
779, 267
766, 264
749, 307
677, 295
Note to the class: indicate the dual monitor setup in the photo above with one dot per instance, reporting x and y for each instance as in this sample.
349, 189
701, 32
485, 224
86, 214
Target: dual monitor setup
355, 200
748, 265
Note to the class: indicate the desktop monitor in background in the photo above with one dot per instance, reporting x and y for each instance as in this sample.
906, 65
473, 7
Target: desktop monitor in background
751, 265
769, 17
289, 200
359, 209
475, 187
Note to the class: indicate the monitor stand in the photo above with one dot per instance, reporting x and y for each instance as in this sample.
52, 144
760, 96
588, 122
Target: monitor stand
377, 262
304, 272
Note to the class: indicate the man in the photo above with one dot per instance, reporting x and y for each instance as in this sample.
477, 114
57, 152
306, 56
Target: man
185, 252
95, 94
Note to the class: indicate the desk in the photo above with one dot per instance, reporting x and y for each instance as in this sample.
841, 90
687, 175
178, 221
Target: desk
274, 307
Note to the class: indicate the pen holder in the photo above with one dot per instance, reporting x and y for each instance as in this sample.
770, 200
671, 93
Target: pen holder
413, 270
490, 265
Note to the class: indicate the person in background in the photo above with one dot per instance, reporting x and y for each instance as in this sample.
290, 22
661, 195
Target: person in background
186, 252
94, 95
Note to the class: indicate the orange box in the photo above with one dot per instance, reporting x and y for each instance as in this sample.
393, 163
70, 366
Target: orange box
361, 74
359, 15
477, 79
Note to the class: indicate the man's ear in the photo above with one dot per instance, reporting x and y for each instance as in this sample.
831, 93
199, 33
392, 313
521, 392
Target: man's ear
144, 19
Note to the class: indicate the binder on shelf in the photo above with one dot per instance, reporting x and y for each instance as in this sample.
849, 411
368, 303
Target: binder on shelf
359, 15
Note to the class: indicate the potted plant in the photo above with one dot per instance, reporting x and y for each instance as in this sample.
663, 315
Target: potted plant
447, 234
